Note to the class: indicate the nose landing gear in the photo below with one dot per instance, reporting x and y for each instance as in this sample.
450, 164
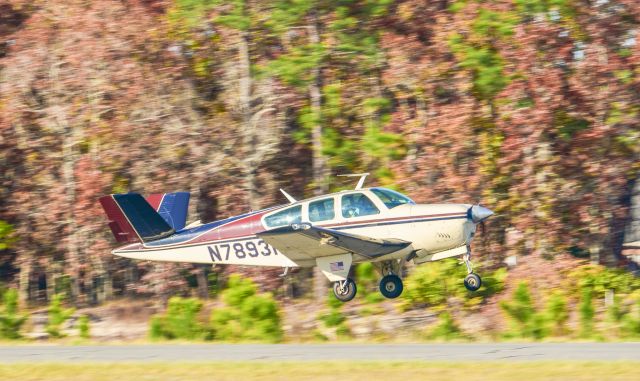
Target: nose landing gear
472, 281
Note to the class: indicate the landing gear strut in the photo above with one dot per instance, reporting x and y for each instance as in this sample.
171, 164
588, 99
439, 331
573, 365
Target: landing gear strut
472, 281
345, 290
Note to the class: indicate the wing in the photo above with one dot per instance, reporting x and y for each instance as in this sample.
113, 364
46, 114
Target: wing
304, 241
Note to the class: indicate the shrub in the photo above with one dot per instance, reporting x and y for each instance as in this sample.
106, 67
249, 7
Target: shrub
83, 327
631, 321
333, 318
557, 314
587, 314
247, 315
57, 316
155, 328
10, 320
446, 328
589, 282
525, 321
366, 277
599, 279
434, 283
343, 331
180, 321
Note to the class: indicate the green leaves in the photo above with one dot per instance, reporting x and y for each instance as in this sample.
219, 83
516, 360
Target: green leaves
10, 320
189, 14
486, 66
296, 67
494, 25
433, 284
567, 126
247, 315
58, 315
6, 235
526, 321
478, 52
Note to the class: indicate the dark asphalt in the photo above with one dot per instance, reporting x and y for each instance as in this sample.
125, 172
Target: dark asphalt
320, 352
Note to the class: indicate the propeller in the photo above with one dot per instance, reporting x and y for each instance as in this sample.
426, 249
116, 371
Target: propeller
478, 215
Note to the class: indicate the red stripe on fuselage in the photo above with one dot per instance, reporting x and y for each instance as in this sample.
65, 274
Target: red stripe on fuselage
362, 222
243, 227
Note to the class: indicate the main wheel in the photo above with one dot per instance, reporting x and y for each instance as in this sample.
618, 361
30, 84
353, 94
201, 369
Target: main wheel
391, 286
472, 282
346, 293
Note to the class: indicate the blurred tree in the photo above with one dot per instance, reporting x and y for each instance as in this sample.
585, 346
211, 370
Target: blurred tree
57, 316
529, 107
526, 321
10, 319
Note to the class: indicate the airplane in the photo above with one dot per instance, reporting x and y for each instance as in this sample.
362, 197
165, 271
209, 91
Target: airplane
333, 231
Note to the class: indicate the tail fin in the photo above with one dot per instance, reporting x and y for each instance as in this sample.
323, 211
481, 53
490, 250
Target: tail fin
172, 207
132, 219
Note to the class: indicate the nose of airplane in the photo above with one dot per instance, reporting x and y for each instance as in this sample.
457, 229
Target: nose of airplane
479, 213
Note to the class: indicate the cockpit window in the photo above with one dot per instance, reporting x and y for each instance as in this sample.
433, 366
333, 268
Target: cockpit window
321, 210
391, 198
289, 216
357, 205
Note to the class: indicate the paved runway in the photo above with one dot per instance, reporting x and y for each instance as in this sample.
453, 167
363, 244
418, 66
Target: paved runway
320, 352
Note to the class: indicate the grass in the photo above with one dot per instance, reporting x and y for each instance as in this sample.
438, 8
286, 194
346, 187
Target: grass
334, 370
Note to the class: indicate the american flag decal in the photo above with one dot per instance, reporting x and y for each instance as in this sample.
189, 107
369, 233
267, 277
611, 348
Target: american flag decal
336, 266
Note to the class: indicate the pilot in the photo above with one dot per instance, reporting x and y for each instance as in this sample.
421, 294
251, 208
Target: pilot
365, 207
348, 209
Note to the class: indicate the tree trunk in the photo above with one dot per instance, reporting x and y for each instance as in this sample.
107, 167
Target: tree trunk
24, 281
203, 283
249, 133
631, 240
318, 163
315, 95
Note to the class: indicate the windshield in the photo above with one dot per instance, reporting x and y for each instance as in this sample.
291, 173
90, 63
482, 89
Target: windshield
391, 198
286, 217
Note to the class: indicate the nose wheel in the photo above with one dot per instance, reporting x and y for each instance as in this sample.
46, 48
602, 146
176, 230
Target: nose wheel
345, 290
391, 286
472, 281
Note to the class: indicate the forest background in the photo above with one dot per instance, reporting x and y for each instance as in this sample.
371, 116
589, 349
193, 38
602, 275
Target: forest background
529, 107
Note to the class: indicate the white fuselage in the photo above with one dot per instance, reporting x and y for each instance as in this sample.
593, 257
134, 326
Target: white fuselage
435, 231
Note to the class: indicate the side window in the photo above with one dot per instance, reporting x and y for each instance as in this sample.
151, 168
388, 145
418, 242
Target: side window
286, 217
357, 205
321, 210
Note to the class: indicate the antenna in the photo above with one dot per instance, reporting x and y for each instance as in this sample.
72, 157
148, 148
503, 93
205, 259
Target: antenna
288, 196
363, 176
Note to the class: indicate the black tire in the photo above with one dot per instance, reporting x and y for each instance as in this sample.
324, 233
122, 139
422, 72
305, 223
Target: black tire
348, 293
472, 282
391, 286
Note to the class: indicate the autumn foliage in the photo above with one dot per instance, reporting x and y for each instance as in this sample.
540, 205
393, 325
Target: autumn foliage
529, 107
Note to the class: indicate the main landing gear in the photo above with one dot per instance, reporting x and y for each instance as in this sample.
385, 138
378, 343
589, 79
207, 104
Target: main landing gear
345, 290
472, 281
391, 286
